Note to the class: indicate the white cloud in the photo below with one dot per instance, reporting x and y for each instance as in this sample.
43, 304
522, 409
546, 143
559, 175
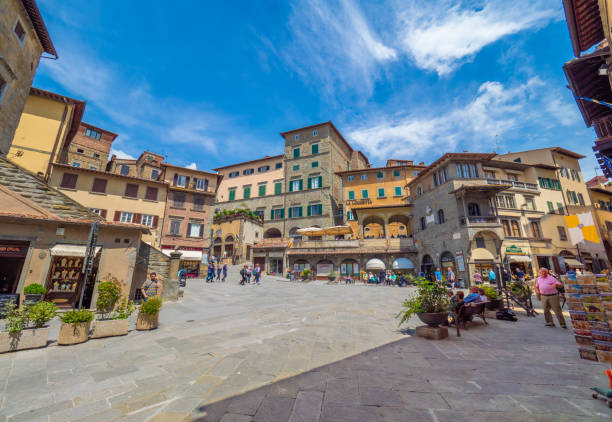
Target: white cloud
441, 35
192, 166
121, 154
479, 125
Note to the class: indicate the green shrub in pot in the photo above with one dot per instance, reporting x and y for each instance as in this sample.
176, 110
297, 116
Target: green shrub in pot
34, 289
430, 298
124, 310
40, 313
151, 306
109, 293
16, 319
491, 292
77, 316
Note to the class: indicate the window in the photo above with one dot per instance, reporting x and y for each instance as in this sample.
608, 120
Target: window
473, 170
69, 181
247, 172
234, 174
513, 177
580, 199
232, 194
93, 134
262, 190
423, 225
440, 216
80, 151
131, 190
296, 137
489, 174
351, 194
198, 202
480, 242
201, 184
562, 234
124, 170
396, 173
560, 208
151, 193
415, 173
530, 203
397, 191
350, 216
175, 227
381, 192
246, 192
380, 175
277, 214
76, 164
278, 188
195, 230
295, 185
296, 152
180, 181
147, 220
506, 226
315, 132
97, 211
278, 166
516, 231
505, 201
315, 164
364, 194
535, 228
351, 178
574, 197
295, 212
126, 217
569, 196
459, 171
419, 190
178, 200
364, 177
154, 174
551, 208
96, 155
315, 182
315, 148
19, 31
473, 209
296, 167
315, 210
263, 169
467, 170
546, 183
99, 185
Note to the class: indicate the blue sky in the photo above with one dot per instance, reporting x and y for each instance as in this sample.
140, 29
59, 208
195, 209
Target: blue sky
210, 83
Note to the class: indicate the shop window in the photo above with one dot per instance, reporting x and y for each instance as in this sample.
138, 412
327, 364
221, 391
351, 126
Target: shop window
562, 233
131, 190
69, 181
151, 193
99, 185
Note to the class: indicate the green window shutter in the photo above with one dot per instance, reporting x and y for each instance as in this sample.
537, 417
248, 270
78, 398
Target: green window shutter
364, 194
272, 214
282, 213
301, 185
550, 207
310, 183
232, 194
296, 152
560, 208
320, 207
315, 148
541, 182
296, 167
398, 191
262, 190
290, 212
315, 164
246, 193
290, 186
308, 212
351, 194
277, 188
299, 211
320, 181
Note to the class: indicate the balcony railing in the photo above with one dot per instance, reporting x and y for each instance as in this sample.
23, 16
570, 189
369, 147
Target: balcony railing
514, 183
603, 126
477, 220
319, 244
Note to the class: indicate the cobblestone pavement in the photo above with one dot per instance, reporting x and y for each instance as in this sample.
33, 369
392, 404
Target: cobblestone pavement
303, 352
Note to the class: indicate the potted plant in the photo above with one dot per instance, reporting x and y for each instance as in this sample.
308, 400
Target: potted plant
34, 293
107, 324
148, 314
332, 275
75, 326
25, 327
429, 303
305, 274
495, 300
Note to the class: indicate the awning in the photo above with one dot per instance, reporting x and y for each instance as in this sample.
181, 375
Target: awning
375, 264
311, 231
186, 255
572, 262
518, 258
482, 254
71, 250
338, 230
402, 264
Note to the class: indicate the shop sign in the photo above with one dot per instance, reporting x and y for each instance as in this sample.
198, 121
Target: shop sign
366, 201
459, 260
514, 250
324, 269
12, 250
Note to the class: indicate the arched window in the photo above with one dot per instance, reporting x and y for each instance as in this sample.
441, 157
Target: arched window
440, 216
473, 209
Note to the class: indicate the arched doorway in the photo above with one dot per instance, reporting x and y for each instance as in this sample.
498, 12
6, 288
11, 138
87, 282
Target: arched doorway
403, 265
447, 260
217, 248
399, 226
229, 248
427, 266
373, 227
294, 234
324, 268
483, 252
272, 233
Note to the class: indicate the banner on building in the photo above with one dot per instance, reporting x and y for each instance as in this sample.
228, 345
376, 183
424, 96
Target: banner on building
581, 227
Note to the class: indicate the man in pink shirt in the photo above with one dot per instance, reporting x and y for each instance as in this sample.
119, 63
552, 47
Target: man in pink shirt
546, 290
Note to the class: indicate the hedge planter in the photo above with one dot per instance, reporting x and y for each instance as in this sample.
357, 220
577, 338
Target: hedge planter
33, 298
26, 339
433, 319
73, 333
146, 321
494, 304
109, 328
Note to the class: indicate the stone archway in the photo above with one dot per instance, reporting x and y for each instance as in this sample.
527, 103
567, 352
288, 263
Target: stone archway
373, 227
272, 233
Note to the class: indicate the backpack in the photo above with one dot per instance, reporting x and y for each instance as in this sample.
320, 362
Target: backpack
242, 272
506, 315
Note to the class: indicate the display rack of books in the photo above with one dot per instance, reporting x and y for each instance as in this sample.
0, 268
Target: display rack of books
64, 280
589, 300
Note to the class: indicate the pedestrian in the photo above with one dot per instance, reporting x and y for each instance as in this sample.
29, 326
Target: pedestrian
224, 272
243, 275
257, 273
505, 277
381, 277
182, 276
438, 275
151, 287
546, 291
477, 278
347, 279
249, 273
520, 275
492, 276
451, 277
210, 276
218, 260
218, 271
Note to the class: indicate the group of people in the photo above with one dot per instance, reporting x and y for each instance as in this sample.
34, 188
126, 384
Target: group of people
247, 272
385, 277
216, 270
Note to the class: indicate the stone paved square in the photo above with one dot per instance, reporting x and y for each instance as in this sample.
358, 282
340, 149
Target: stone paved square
303, 352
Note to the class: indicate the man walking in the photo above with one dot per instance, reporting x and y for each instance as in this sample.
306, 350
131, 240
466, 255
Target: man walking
451, 277
248, 274
151, 287
491, 276
547, 293
218, 271
243, 275
257, 273
210, 277
224, 272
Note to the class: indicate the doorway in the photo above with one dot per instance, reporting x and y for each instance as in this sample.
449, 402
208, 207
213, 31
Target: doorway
12, 258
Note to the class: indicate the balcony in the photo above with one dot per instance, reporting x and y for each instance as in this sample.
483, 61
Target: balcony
477, 220
514, 183
323, 244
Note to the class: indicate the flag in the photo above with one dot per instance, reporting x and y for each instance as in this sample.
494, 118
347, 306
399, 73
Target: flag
581, 227
603, 103
606, 162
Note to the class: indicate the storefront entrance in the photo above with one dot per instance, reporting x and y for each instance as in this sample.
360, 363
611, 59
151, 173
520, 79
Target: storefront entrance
276, 266
483, 268
12, 258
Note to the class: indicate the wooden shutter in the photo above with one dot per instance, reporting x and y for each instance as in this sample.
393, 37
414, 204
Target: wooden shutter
103, 214
272, 214
155, 220
174, 181
299, 211
320, 181
301, 187
201, 230
99, 185
282, 213
137, 218
310, 183
290, 212
131, 190
291, 186
117, 216
188, 229
320, 207
308, 212
187, 182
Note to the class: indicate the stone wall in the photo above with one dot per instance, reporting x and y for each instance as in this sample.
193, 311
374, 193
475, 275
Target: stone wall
149, 260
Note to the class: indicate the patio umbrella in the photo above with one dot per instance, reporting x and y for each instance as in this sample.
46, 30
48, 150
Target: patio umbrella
337, 230
311, 231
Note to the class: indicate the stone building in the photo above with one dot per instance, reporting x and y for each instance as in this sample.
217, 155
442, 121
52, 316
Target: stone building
23, 38
46, 129
601, 198
235, 236
186, 226
89, 148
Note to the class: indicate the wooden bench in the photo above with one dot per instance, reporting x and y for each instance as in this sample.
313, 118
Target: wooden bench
467, 311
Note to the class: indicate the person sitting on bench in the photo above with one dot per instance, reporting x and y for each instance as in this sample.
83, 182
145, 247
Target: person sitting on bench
473, 296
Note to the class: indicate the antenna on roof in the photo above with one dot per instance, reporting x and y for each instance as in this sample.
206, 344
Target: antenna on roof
496, 143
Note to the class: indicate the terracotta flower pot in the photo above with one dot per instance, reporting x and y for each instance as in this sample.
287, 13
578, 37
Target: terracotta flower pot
73, 333
147, 322
109, 328
433, 319
26, 339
